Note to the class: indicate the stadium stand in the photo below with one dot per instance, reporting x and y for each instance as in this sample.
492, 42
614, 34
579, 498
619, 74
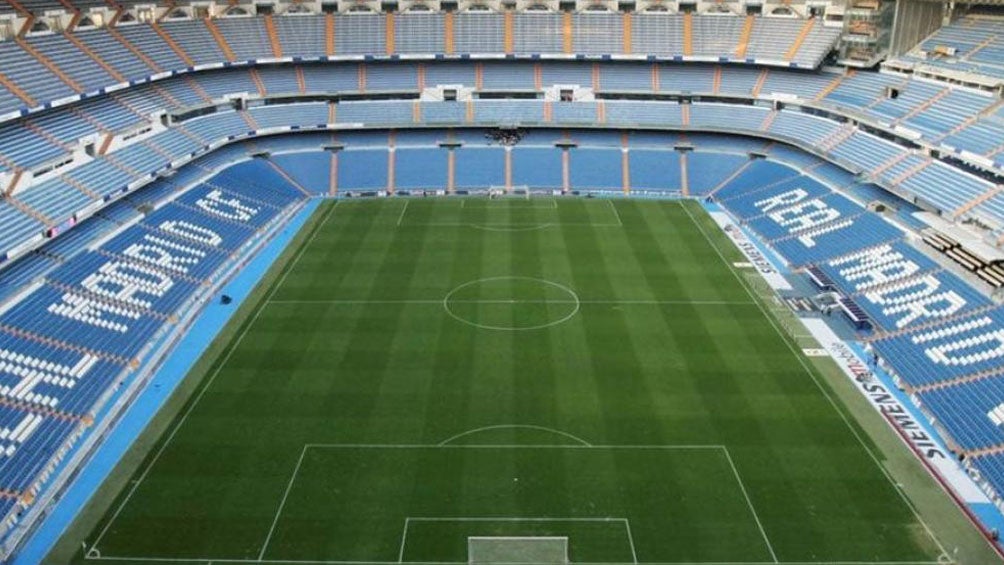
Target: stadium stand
951, 350
117, 217
107, 302
108, 56
890, 164
899, 286
990, 466
971, 45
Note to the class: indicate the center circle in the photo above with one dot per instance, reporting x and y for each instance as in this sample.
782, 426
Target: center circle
511, 303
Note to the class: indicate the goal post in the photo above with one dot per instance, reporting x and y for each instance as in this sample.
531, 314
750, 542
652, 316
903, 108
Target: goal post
521, 192
517, 550
515, 540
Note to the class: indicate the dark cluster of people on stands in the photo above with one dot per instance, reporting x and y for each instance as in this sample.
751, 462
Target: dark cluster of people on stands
506, 136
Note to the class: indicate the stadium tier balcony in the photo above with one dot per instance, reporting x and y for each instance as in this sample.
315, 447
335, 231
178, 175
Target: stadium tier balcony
970, 49
46, 67
113, 174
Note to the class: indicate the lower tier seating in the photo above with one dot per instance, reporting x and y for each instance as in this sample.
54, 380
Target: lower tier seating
899, 287
77, 320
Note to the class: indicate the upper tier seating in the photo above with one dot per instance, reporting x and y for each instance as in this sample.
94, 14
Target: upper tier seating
45, 141
49, 66
973, 44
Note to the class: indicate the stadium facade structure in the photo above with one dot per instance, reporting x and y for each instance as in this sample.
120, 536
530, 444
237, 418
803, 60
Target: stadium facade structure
104, 108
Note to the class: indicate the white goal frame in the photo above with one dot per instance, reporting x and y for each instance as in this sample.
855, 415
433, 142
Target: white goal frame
560, 541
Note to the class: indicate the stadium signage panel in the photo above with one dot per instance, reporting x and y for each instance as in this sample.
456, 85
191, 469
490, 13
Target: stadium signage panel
898, 415
762, 264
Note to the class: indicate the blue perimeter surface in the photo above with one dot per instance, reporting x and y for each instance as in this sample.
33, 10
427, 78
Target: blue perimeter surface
203, 330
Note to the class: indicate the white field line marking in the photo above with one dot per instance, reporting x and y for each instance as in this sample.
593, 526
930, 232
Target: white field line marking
498, 204
552, 284
209, 383
819, 385
517, 224
282, 503
515, 519
749, 503
404, 539
334, 562
511, 229
517, 427
627, 527
513, 301
403, 210
601, 519
502, 446
616, 213
445, 445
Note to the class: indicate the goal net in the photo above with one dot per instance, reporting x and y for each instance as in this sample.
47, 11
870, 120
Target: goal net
497, 192
517, 550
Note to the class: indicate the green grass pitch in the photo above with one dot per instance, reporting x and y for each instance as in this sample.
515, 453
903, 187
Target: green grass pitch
421, 372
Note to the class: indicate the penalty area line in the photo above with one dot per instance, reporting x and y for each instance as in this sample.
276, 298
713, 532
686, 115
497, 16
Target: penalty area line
756, 517
282, 503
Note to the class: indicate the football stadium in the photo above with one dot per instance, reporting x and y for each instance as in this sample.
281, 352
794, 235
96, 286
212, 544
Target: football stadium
331, 282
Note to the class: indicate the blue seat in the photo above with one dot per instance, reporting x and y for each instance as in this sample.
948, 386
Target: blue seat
963, 346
